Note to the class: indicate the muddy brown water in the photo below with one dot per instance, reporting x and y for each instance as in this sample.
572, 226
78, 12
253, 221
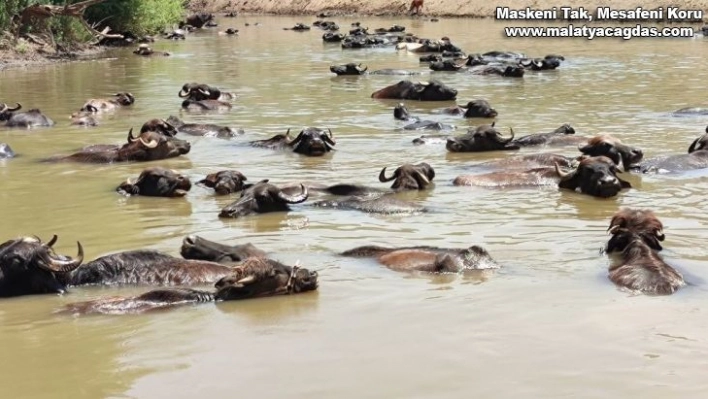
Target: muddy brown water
549, 324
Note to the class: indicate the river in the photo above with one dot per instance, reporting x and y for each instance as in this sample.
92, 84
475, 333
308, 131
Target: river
548, 324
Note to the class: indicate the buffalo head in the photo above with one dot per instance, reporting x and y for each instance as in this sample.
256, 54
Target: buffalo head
160, 126
401, 112
421, 91
596, 176
348, 69
195, 247
6, 111
513, 71
258, 277
700, 143
262, 197
641, 222
151, 146
311, 141
479, 109
199, 91
484, 138
29, 119
409, 177
225, 181
157, 182
29, 266
613, 148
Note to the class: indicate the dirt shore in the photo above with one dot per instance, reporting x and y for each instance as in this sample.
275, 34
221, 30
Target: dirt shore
449, 8
22, 53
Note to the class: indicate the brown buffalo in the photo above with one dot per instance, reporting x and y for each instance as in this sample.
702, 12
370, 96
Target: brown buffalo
596, 176
160, 126
427, 259
200, 91
642, 269
622, 155
157, 182
148, 146
97, 105
262, 197
195, 247
421, 91
409, 176
29, 266
530, 161
641, 222
368, 202
483, 138
473, 109
84, 118
311, 141
225, 181
255, 278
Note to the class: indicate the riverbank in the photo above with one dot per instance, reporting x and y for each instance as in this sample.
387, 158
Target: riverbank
443, 8
23, 53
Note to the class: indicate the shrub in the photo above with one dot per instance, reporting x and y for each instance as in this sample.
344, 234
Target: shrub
136, 16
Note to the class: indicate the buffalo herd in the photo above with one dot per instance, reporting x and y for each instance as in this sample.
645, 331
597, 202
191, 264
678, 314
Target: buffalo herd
29, 265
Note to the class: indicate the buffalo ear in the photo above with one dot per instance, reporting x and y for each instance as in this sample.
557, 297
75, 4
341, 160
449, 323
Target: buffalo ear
570, 182
624, 184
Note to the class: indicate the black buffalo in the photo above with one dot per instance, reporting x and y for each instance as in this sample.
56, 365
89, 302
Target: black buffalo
195, 247
203, 129
157, 182
511, 71
596, 176
697, 158
409, 176
146, 51
200, 91
483, 138
621, 154
348, 69
29, 119
262, 197
311, 141
564, 134
199, 20
473, 109
421, 91
160, 126
6, 152
225, 181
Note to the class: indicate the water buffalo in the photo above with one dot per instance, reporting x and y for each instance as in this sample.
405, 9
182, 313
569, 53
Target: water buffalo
84, 118
225, 181
415, 7
206, 105
541, 176
97, 105
564, 134
430, 58
400, 112
409, 176
641, 222
596, 176
200, 19
298, 27
429, 46
178, 34
512, 71
427, 259
473, 109
622, 155
262, 197
5, 151
157, 182
256, 277
348, 69
29, 266
229, 32
483, 138
311, 141
145, 51
532, 161
446, 66
690, 111
641, 268
160, 126
195, 247
332, 37
383, 204
148, 146
697, 158
200, 91
421, 91
29, 119
203, 129
548, 62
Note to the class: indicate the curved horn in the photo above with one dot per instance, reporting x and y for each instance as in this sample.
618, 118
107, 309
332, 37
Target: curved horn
247, 280
52, 241
660, 235
205, 92
562, 174
383, 178
692, 148
91, 108
507, 141
151, 144
186, 94
132, 139
62, 266
422, 177
294, 141
330, 137
17, 108
294, 199
358, 67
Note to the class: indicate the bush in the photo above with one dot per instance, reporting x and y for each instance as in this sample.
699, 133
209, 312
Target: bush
136, 16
